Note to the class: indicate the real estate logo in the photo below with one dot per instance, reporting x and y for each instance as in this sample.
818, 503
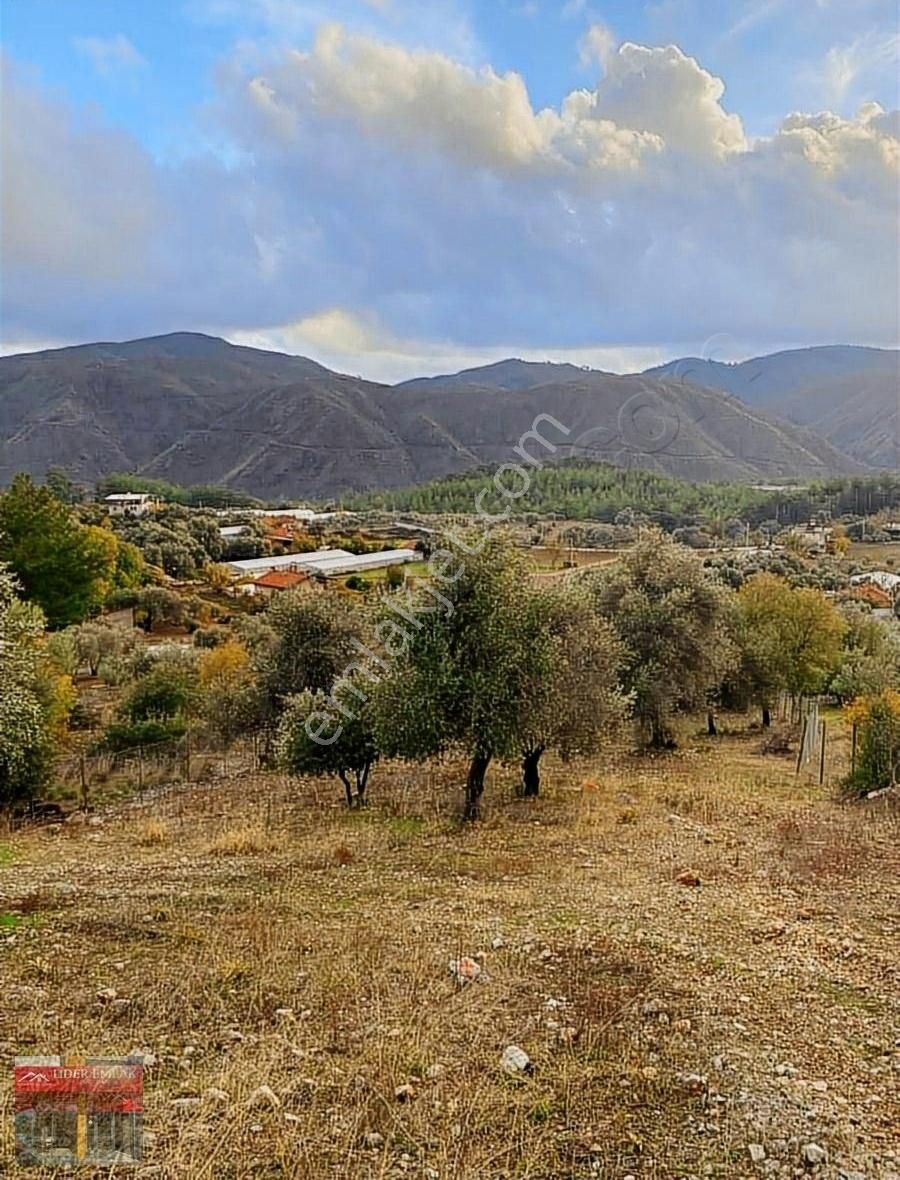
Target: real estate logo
78, 1110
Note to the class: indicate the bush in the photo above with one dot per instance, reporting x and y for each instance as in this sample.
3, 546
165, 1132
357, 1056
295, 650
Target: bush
164, 693
877, 719
126, 735
208, 637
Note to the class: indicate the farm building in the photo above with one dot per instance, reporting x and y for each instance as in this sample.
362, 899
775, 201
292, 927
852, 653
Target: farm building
287, 561
877, 598
276, 581
326, 563
360, 563
884, 579
128, 503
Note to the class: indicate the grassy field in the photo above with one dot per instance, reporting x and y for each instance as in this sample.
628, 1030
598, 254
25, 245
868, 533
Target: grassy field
255, 933
876, 554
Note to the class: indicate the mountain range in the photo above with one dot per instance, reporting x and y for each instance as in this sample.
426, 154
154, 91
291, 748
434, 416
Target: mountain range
850, 395
194, 409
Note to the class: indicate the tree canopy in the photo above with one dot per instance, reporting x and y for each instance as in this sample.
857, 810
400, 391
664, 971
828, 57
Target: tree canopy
672, 617
25, 735
462, 670
67, 568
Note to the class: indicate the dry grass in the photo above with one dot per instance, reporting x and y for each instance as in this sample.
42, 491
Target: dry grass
152, 832
246, 840
276, 938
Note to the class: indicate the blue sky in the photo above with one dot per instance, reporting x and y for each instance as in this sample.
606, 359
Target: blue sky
268, 169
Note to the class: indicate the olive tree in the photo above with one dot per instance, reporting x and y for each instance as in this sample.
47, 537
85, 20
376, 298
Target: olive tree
302, 642
572, 699
870, 659
672, 618
350, 753
25, 737
462, 663
161, 605
97, 641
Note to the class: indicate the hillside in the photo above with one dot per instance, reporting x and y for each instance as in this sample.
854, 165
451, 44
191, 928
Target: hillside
255, 935
577, 489
194, 409
850, 395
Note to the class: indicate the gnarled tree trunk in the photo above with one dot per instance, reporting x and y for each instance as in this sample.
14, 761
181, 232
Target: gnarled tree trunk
531, 772
475, 784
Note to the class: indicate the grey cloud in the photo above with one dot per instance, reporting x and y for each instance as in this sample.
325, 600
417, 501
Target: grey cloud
433, 199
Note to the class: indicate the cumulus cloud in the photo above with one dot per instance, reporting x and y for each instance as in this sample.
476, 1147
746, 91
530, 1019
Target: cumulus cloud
426, 100
397, 204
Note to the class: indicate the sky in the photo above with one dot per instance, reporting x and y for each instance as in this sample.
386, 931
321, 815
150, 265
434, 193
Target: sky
397, 187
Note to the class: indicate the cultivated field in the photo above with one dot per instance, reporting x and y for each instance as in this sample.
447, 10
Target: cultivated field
254, 933
876, 553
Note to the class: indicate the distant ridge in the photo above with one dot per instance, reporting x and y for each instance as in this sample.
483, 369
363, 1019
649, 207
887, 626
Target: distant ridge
194, 409
850, 394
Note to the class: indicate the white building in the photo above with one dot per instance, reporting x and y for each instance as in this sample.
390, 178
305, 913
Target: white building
288, 561
359, 563
328, 563
128, 503
884, 579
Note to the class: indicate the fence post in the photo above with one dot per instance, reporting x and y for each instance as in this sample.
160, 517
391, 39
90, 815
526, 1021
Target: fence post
853, 749
821, 753
187, 756
82, 773
802, 749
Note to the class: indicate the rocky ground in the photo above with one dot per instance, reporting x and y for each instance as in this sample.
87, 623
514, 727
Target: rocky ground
671, 968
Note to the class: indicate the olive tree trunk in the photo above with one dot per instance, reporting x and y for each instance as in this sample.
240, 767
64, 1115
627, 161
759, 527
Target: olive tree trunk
475, 784
531, 772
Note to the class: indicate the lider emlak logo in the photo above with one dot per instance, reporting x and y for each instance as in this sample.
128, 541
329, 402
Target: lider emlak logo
78, 1110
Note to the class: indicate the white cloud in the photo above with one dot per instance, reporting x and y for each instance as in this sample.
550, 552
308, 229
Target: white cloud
426, 100
357, 343
110, 55
78, 198
401, 206
597, 45
847, 65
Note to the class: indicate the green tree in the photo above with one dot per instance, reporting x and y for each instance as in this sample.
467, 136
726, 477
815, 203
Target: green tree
672, 616
350, 756
302, 642
157, 706
65, 567
159, 605
572, 699
870, 660
461, 671
62, 486
791, 638
877, 719
25, 737
95, 642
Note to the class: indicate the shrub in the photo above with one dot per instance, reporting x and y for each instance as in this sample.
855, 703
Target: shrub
126, 735
877, 719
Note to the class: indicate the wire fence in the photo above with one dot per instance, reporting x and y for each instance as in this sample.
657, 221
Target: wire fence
95, 776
